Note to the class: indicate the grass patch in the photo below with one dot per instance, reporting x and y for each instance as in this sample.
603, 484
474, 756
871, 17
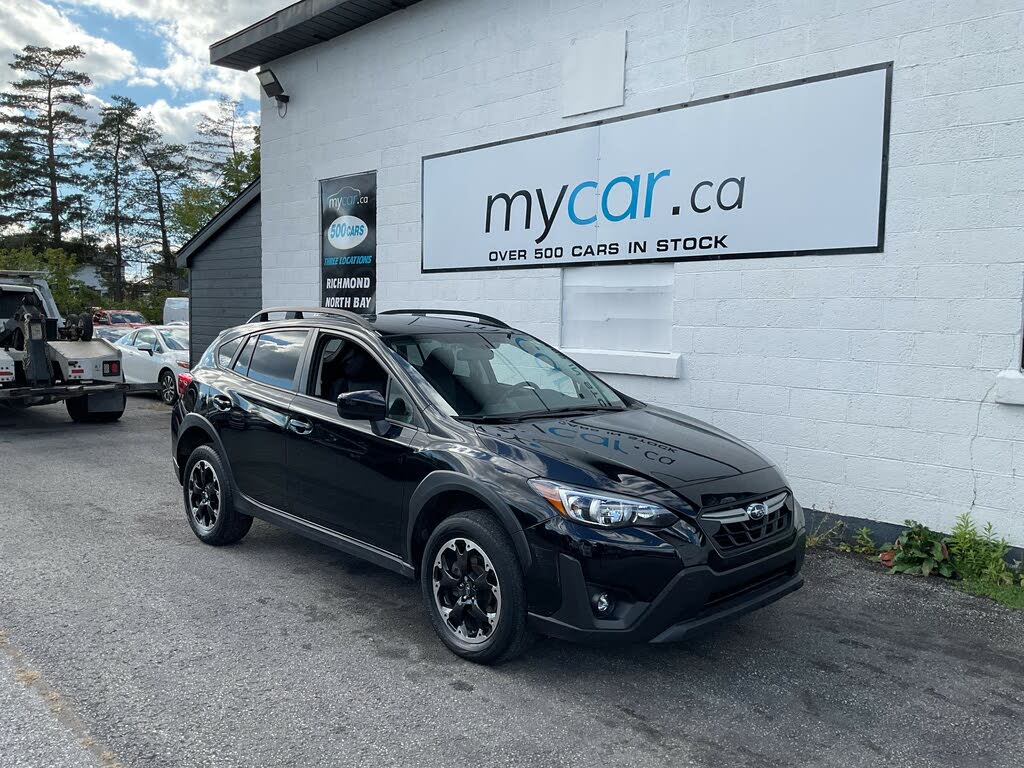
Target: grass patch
1010, 596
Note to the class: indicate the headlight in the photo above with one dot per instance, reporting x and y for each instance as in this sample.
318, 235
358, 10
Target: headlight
602, 510
182, 364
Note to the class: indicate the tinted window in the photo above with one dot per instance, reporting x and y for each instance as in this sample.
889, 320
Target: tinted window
242, 363
227, 352
276, 358
399, 404
345, 366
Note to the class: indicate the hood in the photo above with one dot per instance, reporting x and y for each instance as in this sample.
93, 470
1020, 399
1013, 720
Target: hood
624, 447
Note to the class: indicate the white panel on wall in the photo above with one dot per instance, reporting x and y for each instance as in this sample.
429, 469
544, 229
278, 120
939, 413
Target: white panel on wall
593, 73
627, 308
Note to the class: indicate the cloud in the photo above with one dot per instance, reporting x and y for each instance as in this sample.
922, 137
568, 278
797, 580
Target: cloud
32, 22
188, 27
178, 124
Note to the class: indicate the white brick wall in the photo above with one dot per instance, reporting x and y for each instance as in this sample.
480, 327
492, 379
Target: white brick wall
868, 377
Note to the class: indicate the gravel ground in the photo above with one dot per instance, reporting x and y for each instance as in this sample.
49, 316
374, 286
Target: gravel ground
280, 652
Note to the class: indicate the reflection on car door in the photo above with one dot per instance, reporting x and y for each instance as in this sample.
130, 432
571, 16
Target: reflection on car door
251, 413
350, 476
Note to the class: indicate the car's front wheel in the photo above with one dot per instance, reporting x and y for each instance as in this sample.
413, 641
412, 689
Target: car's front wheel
209, 500
168, 388
472, 585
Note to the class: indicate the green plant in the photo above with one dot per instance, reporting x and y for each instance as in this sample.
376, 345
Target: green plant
825, 532
862, 544
980, 556
919, 550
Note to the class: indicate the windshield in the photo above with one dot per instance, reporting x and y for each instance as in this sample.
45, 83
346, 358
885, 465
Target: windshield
176, 338
503, 375
126, 317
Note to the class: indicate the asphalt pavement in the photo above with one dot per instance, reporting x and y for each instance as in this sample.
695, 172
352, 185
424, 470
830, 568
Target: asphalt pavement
125, 641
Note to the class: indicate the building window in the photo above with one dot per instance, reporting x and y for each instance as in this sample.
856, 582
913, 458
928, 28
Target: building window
624, 308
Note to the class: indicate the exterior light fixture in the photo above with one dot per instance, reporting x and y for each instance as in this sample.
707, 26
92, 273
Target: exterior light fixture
272, 86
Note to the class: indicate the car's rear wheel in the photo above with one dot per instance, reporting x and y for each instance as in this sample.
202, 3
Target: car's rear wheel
168, 387
472, 584
210, 502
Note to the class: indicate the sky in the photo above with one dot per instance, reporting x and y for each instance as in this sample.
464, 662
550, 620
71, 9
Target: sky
156, 52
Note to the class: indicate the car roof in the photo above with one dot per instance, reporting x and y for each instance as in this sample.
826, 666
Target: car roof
391, 324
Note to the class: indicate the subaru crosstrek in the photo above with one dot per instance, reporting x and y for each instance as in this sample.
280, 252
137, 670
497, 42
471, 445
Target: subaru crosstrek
522, 491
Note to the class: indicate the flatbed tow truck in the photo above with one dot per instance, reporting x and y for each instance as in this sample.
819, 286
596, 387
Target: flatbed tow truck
46, 358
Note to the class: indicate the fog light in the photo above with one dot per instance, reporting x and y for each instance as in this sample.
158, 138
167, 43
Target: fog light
603, 604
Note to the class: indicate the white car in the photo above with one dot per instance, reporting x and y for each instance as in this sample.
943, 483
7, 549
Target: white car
155, 354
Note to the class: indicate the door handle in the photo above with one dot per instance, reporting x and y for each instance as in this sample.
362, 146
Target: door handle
300, 427
222, 402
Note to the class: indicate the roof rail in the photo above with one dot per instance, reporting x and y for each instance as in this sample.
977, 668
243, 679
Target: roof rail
452, 312
300, 313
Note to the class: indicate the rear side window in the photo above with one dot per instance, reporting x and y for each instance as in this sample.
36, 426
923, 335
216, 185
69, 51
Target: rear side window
241, 365
276, 358
226, 353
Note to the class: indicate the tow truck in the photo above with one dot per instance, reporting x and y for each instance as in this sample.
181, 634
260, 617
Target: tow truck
46, 358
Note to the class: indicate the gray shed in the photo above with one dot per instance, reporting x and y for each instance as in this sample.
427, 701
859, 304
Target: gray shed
225, 270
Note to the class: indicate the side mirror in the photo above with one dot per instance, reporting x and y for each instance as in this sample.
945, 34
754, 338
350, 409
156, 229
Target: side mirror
146, 349
366, 404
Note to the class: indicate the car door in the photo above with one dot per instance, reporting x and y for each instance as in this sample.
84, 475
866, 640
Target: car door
351, 476
146, 360
250, 410
129, 354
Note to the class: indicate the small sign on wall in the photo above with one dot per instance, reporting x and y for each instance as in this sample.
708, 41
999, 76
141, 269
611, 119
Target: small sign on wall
785, 170
348, 242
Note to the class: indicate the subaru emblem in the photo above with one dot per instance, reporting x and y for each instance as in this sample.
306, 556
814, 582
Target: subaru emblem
757, 511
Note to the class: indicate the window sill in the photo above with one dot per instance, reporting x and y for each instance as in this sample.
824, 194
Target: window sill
1010, 388
661, 365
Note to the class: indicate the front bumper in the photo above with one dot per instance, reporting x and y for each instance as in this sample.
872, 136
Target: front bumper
696, 598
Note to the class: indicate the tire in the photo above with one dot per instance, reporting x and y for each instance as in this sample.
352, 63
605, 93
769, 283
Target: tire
489, 554
168, 387
210, 502
78, 410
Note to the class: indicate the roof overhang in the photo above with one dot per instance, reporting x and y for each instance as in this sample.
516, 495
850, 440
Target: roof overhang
222, 218
300, 25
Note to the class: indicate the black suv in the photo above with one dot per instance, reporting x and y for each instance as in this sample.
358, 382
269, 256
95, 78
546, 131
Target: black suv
522, 491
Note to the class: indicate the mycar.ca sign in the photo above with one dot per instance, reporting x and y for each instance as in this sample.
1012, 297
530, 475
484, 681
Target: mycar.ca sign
787, 170
348, 242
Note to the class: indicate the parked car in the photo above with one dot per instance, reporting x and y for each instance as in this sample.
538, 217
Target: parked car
124, 318
155, 354
520, 489
175, 310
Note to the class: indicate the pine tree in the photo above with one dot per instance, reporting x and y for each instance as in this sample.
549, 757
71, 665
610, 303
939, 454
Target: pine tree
112, 154
219, 138
43, 126
163, 170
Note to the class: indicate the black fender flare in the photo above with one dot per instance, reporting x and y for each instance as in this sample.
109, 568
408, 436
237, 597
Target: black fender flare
195, 421
441, 481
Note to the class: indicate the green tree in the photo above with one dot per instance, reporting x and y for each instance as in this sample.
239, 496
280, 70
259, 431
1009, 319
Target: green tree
208, 191
164, 170
43, 128
115, 174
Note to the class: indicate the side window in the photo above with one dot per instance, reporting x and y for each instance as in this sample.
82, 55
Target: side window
227, 352
276, 358
342, 365
241, 365
399, 404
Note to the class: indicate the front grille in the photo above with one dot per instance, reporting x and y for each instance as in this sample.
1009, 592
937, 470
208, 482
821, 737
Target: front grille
736, 530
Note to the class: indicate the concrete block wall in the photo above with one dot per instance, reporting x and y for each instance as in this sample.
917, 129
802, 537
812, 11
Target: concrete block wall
868, 378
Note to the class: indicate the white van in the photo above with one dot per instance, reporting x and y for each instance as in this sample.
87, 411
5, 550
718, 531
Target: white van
176, 310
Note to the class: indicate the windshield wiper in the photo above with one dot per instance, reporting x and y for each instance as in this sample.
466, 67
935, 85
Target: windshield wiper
582, 410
